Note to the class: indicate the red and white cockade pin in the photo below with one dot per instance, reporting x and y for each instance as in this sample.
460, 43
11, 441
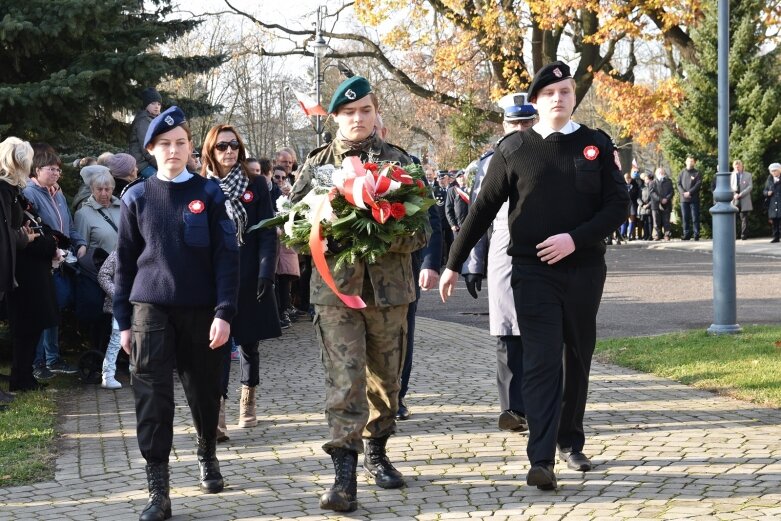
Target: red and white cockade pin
590, 152
196, 206
248, 197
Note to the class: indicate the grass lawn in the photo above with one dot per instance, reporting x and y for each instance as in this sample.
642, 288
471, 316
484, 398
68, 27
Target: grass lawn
27, 439
746, 366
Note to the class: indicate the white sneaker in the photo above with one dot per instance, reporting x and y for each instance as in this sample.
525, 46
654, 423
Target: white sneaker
109, 382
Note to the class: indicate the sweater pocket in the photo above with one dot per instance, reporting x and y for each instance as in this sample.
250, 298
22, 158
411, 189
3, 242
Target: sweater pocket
587, 176
196, 229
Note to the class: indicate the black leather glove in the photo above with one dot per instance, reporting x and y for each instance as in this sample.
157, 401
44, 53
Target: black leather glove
265, 287
474, 283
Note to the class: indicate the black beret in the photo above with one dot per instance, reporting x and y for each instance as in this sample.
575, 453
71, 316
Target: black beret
173, 117
551, 73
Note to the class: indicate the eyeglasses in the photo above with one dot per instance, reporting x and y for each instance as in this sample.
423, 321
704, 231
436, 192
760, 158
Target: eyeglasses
196, 154
277, 177
52, 169
222, 146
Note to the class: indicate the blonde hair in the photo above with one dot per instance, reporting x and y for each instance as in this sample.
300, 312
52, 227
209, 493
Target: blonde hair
16, 159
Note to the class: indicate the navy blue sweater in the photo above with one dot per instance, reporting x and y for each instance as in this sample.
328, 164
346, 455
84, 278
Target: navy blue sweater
176, 247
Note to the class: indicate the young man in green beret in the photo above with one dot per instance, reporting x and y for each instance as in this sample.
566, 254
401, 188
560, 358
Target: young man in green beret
566, 194
363, 349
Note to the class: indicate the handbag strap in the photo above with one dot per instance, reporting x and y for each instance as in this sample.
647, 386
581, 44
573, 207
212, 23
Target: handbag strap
108, 219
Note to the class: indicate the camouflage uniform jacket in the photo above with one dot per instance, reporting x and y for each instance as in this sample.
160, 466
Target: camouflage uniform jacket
389, 281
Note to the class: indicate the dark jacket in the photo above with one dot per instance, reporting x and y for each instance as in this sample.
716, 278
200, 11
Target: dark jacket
662, 189
10, 236
136, 142
258, 258
456, 209
644, 198
689, 181
35, 300
773, 201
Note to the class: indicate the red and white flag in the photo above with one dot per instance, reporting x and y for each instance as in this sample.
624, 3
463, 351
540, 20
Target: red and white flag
308, 105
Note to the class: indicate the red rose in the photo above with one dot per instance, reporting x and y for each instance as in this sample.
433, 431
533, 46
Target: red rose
371, 166
398, 211
401, 175
421, 184
382, 212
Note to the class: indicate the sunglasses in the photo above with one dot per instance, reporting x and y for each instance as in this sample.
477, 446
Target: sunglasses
277, 177
222, 146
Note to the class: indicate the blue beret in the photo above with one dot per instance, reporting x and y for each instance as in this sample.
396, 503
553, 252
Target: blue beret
171, 118
551, 73
349, 90
519, 112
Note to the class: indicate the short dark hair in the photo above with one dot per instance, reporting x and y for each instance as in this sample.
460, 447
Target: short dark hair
280, 168
265, 165
44, 155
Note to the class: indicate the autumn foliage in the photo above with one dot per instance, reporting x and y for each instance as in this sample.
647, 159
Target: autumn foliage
639, 111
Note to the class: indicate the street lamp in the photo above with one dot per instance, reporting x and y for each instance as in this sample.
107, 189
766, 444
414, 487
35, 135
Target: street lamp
319, 50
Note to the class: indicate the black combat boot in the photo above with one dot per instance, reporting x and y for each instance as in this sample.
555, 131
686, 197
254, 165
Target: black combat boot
341, 496
159, 506
211, 479
376, 463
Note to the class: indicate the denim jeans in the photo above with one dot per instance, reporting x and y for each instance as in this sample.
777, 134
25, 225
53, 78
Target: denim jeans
112, 350
47, 351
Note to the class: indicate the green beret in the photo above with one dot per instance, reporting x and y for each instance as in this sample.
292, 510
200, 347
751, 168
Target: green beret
349, 90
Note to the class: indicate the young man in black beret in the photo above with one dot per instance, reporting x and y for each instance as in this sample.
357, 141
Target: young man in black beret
566, 193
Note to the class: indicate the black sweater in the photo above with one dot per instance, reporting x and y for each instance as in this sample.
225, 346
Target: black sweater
558, 185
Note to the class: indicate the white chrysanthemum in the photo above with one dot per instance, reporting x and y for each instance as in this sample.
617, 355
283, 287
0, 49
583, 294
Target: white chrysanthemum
283, 203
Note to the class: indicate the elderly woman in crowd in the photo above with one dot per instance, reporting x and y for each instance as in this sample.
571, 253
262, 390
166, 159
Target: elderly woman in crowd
97, 219
123, 168
49, 203
223, 158
772, 194
25, 279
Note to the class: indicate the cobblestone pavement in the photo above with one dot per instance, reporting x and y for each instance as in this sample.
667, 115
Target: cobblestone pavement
662, 450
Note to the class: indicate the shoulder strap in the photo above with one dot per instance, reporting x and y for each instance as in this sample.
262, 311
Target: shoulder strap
107, 219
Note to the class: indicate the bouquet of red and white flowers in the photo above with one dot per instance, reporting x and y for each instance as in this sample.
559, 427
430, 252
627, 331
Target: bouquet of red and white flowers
355, 211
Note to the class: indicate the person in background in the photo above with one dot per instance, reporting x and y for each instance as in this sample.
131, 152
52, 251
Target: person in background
689, 184
644, 203
98, 217
86, 174
176, 284
106, 281
224, 161
46, 197
123, 168
26, 284
741, 185
772, 193
662, 203
151, 103
633, 189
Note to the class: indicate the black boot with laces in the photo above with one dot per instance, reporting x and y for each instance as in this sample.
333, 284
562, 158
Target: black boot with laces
376, 463
159, 506
341, 496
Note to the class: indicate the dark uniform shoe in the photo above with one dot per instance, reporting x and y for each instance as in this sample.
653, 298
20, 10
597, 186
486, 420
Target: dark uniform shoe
159, 506
513, 421
542, 477
211, 480
576, 460
341, 496
403, 413
376, 463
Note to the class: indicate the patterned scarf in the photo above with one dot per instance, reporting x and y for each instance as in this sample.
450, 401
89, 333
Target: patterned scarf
357, 145
233, 186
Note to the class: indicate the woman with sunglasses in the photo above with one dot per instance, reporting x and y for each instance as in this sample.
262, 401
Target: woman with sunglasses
223, 157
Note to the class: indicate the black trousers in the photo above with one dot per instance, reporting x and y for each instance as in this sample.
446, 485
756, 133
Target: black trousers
249, 364
163, 336
509, 372
24, 341
555, 306
743, 216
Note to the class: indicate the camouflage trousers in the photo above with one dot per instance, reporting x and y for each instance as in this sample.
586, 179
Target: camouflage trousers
363, 354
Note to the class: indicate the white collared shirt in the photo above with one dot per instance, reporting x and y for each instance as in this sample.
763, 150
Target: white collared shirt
545, 131
181, 178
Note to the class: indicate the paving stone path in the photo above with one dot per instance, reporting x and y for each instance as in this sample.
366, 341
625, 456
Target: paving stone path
662, 450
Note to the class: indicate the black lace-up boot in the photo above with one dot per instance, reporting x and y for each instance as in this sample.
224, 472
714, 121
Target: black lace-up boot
341, 496
159, 506
211, 479
376, 463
